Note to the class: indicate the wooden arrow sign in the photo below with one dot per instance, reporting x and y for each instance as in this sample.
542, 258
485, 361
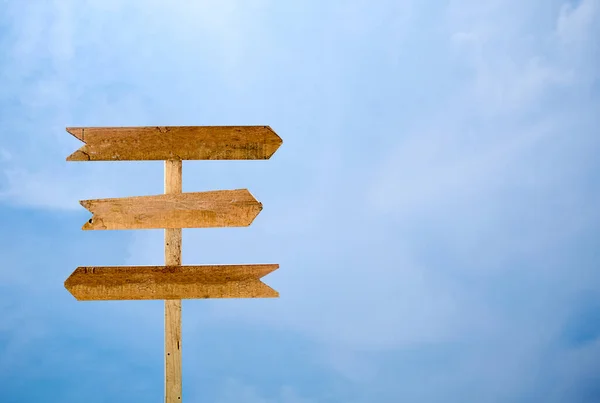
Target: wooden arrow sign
175, 143
219, 208
170, 282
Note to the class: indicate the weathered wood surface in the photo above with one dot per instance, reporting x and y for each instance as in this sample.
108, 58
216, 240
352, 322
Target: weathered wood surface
175, 143
170, 282
173, 384
219, 208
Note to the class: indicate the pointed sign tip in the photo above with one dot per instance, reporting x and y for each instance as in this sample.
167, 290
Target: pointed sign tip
79, 155
76, 132
249, 194
272, 149
255, 213
89, 223
274, 145
267, 269
68, 286
270, 292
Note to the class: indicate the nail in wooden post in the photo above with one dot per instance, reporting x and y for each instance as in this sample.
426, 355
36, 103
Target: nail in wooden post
173, 307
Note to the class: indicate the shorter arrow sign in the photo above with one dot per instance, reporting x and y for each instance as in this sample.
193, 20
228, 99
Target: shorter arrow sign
175, 143
219, 208
170, 282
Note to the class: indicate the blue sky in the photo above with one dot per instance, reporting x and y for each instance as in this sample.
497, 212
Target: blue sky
433, 209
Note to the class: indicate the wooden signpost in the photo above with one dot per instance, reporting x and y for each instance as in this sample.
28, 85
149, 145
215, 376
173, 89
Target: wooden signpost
173, 211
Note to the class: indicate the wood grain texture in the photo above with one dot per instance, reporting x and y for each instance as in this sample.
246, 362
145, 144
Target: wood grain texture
220, 208
173, 370
170, 282
173, 186
175, 143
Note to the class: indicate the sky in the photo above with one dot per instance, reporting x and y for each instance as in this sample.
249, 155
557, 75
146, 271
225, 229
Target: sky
433, 207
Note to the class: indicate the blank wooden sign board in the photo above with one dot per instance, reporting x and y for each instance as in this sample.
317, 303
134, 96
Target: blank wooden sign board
173, 211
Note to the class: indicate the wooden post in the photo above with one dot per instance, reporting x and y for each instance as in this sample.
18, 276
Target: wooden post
173, 307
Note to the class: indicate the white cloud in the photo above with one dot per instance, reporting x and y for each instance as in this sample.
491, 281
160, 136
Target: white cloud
513, 65
483, 140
